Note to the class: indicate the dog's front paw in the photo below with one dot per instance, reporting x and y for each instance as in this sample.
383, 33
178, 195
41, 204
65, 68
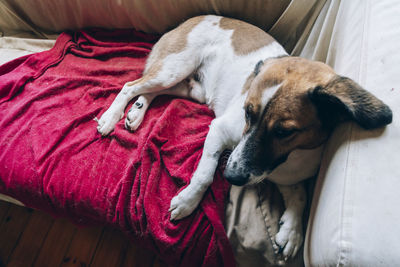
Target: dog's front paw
107, 122
290, 237
184, 203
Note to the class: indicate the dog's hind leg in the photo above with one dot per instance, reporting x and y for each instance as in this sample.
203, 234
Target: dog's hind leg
159, 76
136, 114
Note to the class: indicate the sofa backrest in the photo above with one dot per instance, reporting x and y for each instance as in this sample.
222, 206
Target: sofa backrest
284, 19
155, 16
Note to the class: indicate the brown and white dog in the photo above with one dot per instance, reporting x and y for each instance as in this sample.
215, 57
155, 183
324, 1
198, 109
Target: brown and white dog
276, 111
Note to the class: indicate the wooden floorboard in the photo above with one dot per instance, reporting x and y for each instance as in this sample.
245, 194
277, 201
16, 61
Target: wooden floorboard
31, 240
11, 229
138, 257
4, 206
82, 247
57, 241
34, 238
110, 250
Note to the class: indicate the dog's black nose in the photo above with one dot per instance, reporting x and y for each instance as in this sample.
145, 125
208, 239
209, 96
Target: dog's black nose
236, 178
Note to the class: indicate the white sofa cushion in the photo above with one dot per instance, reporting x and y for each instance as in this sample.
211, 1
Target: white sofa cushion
355, 212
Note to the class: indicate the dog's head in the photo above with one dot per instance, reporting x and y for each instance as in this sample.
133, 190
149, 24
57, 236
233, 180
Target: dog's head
294, 103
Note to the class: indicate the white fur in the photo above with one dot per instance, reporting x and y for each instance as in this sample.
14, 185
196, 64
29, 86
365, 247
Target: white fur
209, 51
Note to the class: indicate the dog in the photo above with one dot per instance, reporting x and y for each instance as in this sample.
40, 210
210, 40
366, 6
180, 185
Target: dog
274, 110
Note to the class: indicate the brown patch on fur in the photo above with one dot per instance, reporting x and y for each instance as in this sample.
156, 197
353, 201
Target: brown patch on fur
255, 95
175, 41
290, 108
134, 82
248, 82
257, 89
246, 38
296, 75
172, 42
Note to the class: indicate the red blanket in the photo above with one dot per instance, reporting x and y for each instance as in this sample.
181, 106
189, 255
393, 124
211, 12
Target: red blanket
52, 158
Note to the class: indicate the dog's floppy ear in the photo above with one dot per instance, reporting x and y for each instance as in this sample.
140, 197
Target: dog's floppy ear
342, 98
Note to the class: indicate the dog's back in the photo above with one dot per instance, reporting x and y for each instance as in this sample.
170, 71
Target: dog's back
223, 51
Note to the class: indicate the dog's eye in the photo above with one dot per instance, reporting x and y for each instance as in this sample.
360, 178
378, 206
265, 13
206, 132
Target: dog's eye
249, 114
284, 133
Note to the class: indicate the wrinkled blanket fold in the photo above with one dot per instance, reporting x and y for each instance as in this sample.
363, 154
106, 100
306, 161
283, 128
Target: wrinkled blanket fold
52, 158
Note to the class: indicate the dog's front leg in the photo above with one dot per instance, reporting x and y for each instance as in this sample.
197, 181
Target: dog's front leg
290, 235
188, 199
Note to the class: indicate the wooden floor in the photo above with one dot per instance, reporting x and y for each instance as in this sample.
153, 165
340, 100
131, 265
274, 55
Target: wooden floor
33, 238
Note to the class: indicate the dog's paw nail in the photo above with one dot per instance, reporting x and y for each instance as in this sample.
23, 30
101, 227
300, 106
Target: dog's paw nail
134, 118
175, 215
127, 126
139, 105
171, 208
280, 263
280, 249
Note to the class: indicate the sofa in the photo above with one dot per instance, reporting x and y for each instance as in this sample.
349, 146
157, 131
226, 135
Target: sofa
352, 216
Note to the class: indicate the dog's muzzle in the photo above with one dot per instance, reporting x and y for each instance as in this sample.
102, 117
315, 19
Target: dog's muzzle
236, 178
237, 171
